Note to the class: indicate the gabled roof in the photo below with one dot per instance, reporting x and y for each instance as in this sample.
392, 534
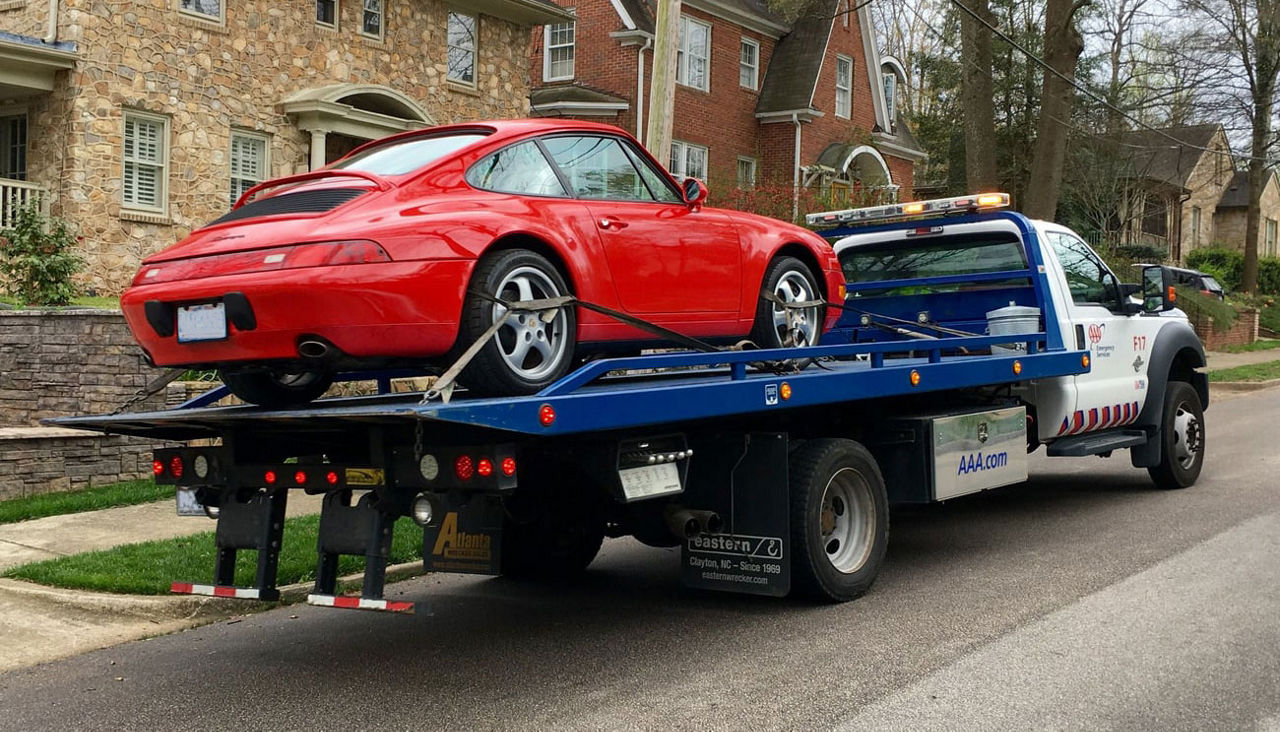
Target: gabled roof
1152, 155
793, 70
1237, 193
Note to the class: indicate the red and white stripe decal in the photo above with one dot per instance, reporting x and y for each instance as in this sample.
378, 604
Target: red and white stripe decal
1093, 420
241, 593
1106, 417
360, 603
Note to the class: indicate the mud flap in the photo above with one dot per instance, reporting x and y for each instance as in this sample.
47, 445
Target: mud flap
467, 539
743, 478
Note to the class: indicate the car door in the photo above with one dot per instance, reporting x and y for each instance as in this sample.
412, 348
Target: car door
670, 262
1113, 392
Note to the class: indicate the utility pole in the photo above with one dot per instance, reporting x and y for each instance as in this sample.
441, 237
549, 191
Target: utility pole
662, 89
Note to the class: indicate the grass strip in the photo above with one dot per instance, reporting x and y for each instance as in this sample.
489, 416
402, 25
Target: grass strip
90, 499
149, 567
1251, 347
86, 301
1252, 372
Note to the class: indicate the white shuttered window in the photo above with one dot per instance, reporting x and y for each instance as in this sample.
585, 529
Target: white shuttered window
248, 163
145, 161
844, 86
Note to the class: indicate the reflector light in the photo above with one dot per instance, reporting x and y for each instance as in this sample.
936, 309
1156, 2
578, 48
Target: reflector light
175, 466
300, 477
1017, 367
784, 391
269, 477
1173, 294
1084, 360
546, 415
915, 378
464, 467
157, 467
331, 477
484, 467
508, 466
889, 212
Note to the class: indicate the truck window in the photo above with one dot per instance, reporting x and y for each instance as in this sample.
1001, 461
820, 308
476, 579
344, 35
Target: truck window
954, 255
1085, 272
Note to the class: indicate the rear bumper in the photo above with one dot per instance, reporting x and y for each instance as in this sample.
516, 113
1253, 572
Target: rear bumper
376, 310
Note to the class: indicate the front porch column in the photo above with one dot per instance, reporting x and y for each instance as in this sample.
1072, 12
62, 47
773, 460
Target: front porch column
317, 149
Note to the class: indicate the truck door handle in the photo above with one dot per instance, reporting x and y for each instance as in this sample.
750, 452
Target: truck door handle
608, 222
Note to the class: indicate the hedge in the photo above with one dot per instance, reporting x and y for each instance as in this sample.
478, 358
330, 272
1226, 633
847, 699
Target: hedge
1227, 266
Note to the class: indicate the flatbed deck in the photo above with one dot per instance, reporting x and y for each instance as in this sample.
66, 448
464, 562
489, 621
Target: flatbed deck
689, 387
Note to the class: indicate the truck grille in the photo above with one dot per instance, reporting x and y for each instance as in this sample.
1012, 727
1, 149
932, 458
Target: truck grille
319, 201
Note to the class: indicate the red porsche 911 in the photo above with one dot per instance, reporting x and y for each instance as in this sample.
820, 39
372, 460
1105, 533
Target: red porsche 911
376, 261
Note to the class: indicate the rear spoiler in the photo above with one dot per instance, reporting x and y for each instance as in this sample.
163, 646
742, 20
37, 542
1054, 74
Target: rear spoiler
382, 183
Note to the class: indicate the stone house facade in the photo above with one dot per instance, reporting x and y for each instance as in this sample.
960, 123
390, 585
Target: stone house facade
139, 121
759, 99
1230, 218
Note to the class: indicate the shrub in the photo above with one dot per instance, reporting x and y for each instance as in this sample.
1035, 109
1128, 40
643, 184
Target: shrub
37, 258
1226, 265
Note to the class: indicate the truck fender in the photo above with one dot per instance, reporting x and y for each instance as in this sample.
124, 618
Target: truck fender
1176, 353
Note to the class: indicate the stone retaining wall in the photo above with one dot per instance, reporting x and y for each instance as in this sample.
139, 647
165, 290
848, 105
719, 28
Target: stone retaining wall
36, 460
62, 362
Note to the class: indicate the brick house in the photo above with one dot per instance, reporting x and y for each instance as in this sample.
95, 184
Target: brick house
758, 99
138, 121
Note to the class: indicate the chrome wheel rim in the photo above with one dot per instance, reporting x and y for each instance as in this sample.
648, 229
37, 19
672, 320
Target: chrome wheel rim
792, 287
847, 521
531, 347
1188, 435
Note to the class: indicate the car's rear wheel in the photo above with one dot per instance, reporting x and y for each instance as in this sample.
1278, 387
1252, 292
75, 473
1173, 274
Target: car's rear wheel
527, 353
277, 388
791, 281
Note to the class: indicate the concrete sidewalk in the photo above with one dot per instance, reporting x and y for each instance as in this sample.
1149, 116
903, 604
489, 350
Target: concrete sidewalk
1218, 361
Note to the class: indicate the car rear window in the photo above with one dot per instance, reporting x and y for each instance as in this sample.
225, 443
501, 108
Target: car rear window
406, 156
1210, 283
955, 255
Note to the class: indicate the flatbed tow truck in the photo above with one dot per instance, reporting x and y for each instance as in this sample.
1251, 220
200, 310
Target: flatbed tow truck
773, 470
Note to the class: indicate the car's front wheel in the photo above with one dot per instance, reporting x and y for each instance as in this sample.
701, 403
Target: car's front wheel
277, 388
791, 281
528, 352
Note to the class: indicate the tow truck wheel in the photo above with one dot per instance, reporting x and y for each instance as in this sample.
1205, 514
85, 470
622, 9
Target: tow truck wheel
277, 388
1182, 437
550, 535
839, 519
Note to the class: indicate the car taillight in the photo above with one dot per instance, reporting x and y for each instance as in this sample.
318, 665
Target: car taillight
1207, 293
321, 254
333, 253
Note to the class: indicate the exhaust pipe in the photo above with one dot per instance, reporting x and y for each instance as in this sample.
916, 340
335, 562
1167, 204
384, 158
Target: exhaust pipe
687, 523
313, 349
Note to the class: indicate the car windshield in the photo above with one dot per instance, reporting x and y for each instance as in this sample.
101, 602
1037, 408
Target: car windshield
408, 155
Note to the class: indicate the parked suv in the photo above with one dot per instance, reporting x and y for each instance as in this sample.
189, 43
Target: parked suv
1195, 279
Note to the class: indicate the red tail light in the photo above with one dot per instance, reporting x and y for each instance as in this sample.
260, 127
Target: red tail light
299, 477
263, 260
464, 467
508, 466
332, 477
157, 467
269, 477
175, 466
1207, 293
546, 415
484, 467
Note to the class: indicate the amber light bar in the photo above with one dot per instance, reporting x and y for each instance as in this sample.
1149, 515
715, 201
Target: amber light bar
911, 209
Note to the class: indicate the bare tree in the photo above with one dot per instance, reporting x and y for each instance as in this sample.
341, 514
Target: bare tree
977, 98
1063, 45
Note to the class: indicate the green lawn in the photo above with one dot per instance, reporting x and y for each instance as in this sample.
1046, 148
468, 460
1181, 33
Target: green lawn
89, 499
101, 303
149, 567
1253, 372
1251, 347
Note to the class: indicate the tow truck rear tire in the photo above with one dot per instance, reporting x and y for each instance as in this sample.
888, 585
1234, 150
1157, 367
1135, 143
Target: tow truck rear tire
839, 520
550, 535
1182, 438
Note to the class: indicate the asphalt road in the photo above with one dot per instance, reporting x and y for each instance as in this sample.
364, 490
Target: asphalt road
1083, 599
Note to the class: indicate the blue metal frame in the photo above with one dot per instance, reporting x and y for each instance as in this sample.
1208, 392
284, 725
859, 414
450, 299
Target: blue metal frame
383, 378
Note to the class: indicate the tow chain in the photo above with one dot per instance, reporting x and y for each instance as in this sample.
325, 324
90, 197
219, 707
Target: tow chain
151, 388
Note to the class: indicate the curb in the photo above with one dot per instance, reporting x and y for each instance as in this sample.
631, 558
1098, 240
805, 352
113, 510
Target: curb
183, 607
1242, 386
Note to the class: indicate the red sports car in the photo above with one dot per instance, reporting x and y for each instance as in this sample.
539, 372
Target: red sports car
374, 261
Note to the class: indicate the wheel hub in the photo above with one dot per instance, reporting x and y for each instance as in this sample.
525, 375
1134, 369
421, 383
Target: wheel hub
1188, 434
530, 346
802, 330
847, 521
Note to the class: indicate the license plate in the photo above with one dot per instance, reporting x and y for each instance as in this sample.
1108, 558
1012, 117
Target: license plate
188, 505
206, 322
649, 481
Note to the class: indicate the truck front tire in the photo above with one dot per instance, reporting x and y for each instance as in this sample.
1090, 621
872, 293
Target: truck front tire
1182, 438
839, 519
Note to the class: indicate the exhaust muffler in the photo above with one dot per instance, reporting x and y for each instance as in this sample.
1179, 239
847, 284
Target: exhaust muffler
687, 523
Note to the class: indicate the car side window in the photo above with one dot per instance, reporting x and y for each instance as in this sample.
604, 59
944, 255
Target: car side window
658, 183
1085, 272
597, 167
520, 168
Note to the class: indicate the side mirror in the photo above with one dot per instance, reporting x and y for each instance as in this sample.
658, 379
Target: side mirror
1158, 294
695, 191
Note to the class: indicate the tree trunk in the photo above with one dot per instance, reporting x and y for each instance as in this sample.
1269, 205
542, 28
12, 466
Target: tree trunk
662, 88
1063, 45
1258, 174
977, 99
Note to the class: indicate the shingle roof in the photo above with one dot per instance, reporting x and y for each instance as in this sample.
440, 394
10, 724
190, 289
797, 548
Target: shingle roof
1154, 156
571, 93
793, 69
1236, 194
641, 13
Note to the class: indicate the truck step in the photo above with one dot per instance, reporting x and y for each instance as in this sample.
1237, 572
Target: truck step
238, 593
360, 603
1093, 444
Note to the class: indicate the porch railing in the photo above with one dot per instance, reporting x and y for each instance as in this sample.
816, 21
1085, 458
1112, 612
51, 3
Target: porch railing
14, 194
